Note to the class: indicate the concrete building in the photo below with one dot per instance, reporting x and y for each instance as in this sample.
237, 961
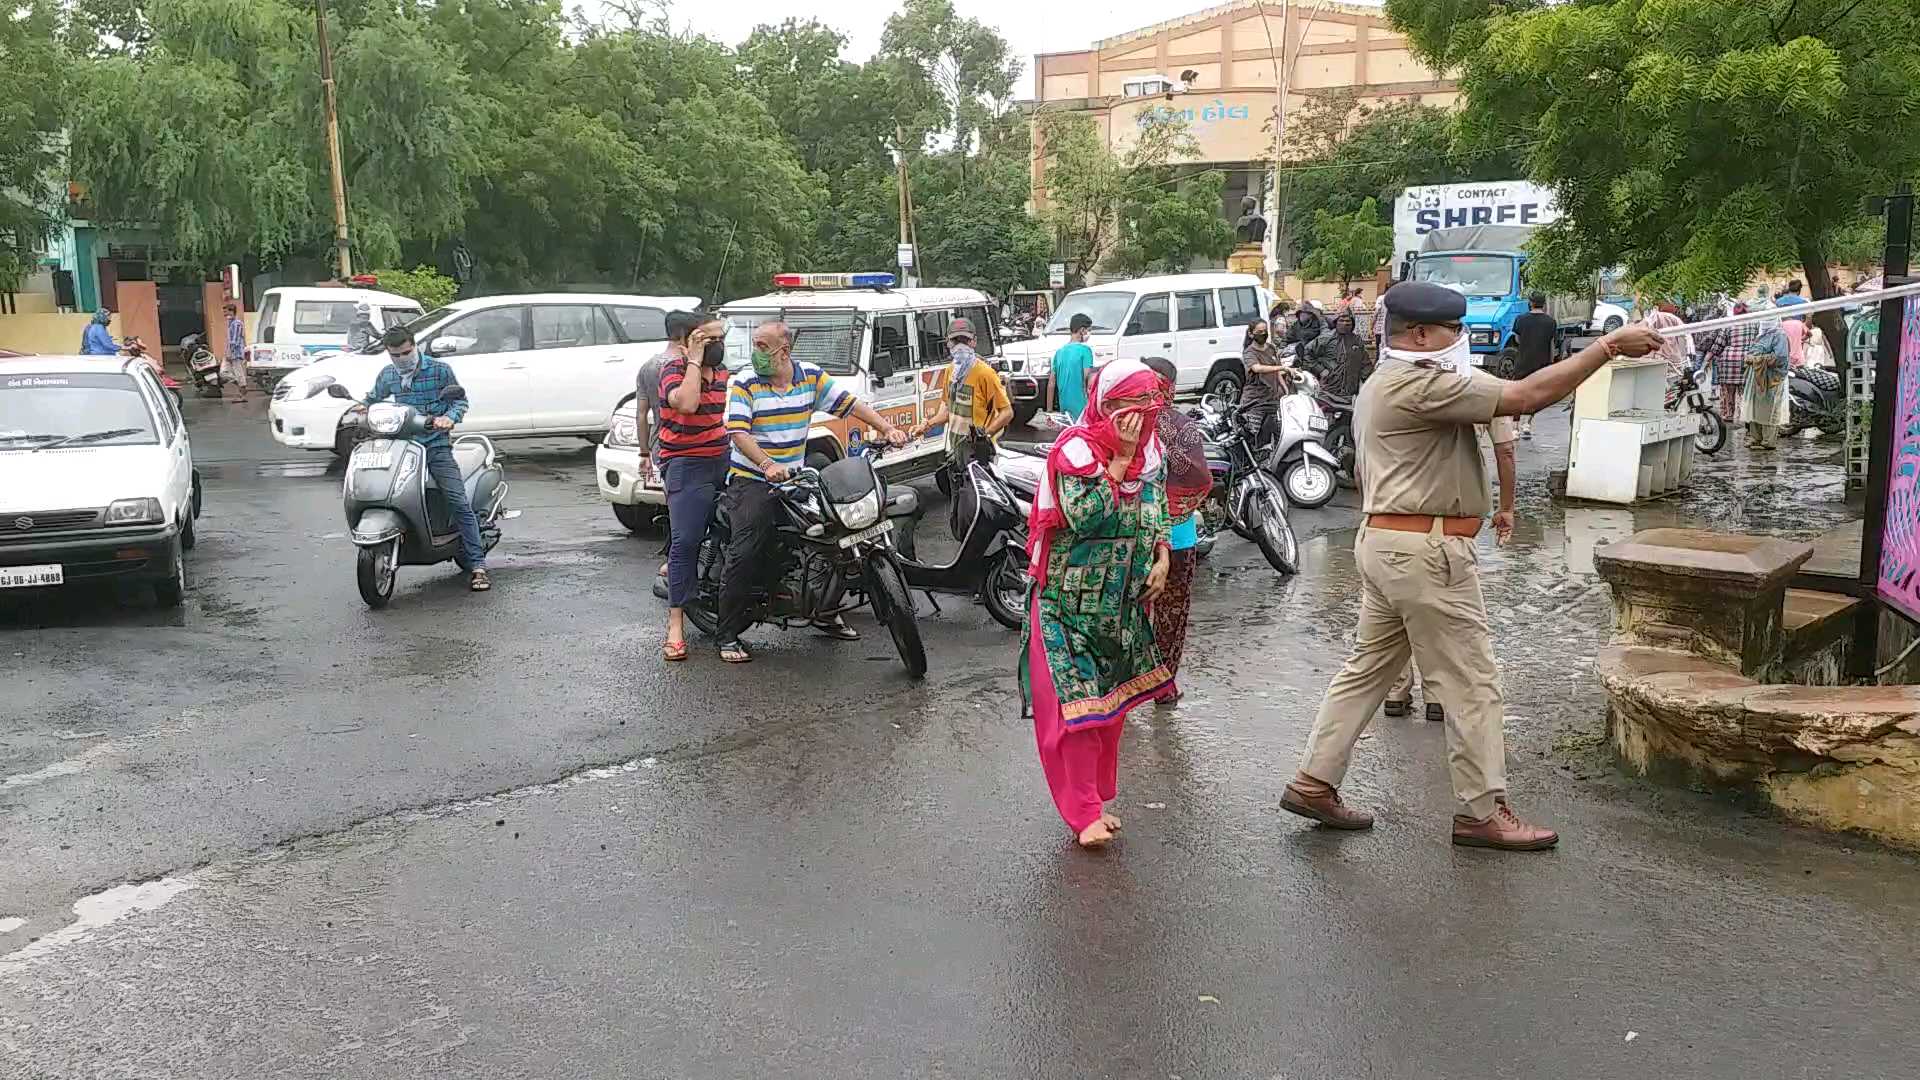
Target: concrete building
1248, 58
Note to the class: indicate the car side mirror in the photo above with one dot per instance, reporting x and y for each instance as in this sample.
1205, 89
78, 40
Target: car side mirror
442, 346
336, 390
882, 366
453, 392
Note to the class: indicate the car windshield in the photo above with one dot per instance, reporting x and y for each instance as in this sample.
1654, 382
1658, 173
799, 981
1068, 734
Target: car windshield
1474, 275
1106, 309
87, 409
420, 327
831, 343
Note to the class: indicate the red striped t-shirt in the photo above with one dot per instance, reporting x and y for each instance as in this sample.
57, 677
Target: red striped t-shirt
701, 433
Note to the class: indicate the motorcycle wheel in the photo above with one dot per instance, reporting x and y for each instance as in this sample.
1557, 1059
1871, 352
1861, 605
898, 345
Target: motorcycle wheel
1006, 588
1310, 484
1340, 445
375, 572
892, 606
702, 608
1272, 532
1712, 434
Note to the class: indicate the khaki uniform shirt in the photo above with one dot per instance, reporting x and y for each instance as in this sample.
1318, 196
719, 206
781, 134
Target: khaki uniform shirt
1417, 446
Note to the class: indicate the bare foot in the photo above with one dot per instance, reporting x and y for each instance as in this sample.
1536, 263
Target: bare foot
1112, 823
1096, 835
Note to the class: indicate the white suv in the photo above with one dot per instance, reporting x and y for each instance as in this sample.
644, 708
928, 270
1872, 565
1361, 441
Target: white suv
100, 484
1198, 321
534, 364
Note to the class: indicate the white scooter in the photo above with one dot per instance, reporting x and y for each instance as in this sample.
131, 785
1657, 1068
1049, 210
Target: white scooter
1308, 470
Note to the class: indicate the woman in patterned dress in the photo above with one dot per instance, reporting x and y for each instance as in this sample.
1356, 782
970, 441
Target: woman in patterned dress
1188, 481
1099, 557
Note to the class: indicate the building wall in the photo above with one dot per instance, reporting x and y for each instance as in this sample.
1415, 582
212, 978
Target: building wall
1232, 51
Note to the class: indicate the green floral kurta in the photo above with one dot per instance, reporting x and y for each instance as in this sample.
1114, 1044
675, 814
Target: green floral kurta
1093, 623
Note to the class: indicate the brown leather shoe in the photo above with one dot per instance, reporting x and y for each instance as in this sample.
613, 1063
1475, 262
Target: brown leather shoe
1326, 808
1435, 713
1397, 708
1504, 831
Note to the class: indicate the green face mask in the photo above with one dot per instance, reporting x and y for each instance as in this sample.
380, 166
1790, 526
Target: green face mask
762, 362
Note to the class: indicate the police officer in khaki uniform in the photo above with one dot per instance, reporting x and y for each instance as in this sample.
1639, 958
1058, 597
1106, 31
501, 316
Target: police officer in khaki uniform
1425, 495
1503, 434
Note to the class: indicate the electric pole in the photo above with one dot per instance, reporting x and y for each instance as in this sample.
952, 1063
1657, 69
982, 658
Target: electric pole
331, 107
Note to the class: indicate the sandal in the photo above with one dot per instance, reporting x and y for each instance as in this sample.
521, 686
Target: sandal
480, 582
673, 650
733, 652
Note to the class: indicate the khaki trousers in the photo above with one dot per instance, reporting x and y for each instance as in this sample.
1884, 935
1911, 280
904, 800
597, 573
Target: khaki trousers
1420, 597
1402, 689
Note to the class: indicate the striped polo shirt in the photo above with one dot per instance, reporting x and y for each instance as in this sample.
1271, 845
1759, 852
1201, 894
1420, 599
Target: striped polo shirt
701, 433
779, 420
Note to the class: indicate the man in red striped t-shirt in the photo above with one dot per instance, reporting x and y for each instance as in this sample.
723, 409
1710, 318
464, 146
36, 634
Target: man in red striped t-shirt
693, 452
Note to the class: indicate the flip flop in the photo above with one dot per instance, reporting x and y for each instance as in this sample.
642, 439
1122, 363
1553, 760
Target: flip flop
838, 630
480, 582
673, 650
733, 652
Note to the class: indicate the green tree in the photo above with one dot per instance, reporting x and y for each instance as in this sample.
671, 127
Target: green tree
1348, 246
1131, 211
423, 283
952, 75
33, 80
1692, 141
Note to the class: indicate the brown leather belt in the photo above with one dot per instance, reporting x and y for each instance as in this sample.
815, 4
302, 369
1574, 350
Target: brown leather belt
1420, 523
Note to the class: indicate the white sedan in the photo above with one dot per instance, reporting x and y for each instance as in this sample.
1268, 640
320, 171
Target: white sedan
532, 365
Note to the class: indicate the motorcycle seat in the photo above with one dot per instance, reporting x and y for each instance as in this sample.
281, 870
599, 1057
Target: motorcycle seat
903, 501
470, 456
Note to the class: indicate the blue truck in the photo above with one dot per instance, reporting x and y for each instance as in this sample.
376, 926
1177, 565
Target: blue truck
1487, 264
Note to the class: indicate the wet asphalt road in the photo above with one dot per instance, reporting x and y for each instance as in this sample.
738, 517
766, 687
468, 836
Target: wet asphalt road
490, 836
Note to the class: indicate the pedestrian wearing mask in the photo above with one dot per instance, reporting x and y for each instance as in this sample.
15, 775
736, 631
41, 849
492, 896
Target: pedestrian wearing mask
989, 410
692, 455
1266, 382
1072, 369
1424, 492
1763, 402
1098, 556
362, 335
1339, 358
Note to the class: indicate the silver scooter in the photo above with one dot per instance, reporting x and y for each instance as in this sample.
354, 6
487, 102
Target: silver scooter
394, 508
1299, 457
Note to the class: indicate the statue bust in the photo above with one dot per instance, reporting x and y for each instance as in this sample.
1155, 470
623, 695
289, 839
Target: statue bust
1251, 228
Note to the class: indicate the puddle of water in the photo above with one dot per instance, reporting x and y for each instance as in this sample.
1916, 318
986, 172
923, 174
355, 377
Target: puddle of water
102, 909
11, 923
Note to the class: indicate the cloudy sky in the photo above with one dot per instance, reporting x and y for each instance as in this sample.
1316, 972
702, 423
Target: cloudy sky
1029, 27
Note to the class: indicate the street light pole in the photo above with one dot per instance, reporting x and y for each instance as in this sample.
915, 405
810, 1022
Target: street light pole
331, 107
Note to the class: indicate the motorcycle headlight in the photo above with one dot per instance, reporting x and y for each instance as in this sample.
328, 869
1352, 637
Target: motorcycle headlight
134, 512
386, 419
861, 513
624, 431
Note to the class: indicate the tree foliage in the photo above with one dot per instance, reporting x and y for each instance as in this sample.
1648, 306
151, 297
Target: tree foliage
1348, 245
1692, 141
1132, 211
423, 283
33, 81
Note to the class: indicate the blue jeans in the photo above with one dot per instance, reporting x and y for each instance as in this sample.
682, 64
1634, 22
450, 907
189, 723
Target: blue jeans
693, 483
446, 473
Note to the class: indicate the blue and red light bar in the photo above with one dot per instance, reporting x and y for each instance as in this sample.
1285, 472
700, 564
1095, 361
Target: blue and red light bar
873, 280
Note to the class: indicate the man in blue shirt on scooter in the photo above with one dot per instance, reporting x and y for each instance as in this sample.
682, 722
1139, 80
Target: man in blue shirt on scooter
417, 380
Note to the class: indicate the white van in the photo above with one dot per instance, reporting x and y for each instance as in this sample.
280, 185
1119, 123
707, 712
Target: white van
887, 345
298, 322
1198, 321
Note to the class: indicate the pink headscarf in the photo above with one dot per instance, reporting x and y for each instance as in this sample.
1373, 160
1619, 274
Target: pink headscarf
1087, 448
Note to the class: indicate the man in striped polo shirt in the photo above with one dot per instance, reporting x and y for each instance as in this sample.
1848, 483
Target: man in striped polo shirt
770, 409
693, 452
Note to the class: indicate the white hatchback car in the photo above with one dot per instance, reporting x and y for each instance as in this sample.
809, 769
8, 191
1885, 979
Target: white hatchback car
96, 475
534, 364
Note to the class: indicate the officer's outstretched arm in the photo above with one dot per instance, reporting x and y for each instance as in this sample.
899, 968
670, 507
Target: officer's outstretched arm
1550, 384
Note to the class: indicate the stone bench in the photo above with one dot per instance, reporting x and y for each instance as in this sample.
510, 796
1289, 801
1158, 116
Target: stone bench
1719, 673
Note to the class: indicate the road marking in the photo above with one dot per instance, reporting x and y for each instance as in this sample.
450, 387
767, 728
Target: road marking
101, 909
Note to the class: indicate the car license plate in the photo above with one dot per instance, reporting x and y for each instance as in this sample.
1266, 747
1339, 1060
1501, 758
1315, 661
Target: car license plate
1317, 423
373, 457
865, 535
26, 577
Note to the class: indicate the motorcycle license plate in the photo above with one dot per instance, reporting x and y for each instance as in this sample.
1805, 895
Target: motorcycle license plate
372, 457
26, 577
1317, 423
1696, 400
865, 535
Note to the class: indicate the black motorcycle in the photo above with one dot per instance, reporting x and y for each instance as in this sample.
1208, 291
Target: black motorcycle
1246, 495
1815, 400
1685, 392
832, 553
990, 520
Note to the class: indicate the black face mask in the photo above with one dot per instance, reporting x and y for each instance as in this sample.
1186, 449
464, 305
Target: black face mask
714, 354
1259, 335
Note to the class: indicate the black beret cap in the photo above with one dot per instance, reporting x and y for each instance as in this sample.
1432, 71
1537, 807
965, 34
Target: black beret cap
1425, 302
